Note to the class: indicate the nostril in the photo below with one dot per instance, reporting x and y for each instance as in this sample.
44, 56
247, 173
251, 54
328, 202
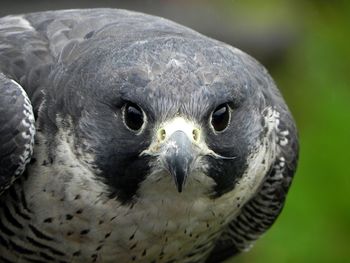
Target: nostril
195, 135
161, 135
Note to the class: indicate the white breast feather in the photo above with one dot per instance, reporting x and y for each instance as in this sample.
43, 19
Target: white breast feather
161, 218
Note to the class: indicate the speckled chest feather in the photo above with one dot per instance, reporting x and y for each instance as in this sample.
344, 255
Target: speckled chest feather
65, 215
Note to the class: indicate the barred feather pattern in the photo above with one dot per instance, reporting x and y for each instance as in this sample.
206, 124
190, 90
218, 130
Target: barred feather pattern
263, 209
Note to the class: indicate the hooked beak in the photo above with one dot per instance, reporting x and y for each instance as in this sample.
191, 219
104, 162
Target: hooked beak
178, 156
177, 146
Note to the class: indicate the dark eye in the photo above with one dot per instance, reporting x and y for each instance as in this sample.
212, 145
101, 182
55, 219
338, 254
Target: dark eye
133, 116
220, 117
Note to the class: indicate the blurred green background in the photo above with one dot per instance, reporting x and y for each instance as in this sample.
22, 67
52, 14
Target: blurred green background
305, 45
314, 76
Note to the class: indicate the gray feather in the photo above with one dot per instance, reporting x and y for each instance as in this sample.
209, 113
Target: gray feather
16, 131
79, 67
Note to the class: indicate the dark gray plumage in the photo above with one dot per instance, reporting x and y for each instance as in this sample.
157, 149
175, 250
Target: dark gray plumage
17, 131
126, 104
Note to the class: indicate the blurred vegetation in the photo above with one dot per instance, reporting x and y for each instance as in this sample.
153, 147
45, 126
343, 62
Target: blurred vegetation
315, 80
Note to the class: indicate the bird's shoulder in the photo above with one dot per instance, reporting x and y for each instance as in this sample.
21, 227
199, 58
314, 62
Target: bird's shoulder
261, 211
16, 131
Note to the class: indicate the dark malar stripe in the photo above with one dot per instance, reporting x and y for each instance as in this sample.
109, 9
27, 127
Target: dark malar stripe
10, 218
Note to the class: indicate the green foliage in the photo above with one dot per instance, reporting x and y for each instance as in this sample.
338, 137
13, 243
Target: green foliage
315, 81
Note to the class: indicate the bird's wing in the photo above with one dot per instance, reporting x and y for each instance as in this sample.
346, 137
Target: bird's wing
25, 59
260, 212
16, 131
29, 45
23, 55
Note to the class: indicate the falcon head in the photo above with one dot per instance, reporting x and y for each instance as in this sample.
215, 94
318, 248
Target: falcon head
166, 112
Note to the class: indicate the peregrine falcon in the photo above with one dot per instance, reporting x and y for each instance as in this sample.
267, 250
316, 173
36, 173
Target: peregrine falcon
126, 137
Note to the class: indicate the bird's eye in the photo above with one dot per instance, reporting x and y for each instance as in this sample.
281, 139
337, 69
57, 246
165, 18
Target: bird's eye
220, 117
133, 116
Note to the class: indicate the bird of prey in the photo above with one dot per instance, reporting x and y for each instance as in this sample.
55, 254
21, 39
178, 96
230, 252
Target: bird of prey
126, 137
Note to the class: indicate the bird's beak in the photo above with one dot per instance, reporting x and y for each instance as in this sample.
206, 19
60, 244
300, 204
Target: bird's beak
178, 156
177, 145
